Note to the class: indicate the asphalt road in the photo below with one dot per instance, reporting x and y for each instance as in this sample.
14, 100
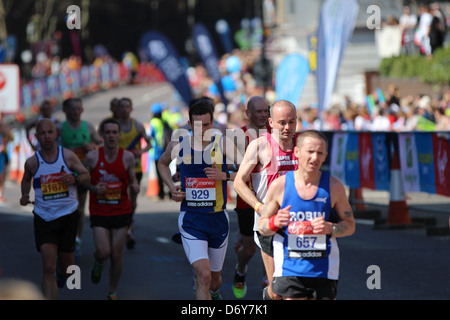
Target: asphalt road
410, 264
377, 263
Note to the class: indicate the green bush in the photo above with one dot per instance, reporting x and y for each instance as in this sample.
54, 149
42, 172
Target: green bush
433, 71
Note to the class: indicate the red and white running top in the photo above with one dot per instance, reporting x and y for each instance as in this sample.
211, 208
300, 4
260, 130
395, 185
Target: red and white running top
281, 162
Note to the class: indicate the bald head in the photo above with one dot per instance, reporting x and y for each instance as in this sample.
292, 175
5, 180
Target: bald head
46, 134
258, 111
280, 105
44, 124
283, 117
256, 101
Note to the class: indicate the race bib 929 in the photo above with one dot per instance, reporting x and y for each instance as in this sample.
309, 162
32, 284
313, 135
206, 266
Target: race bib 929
200, 192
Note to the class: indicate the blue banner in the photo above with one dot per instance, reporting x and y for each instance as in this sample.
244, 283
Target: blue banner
425, 160
161, 51
336, 24
381, 167
290, 78
351, 166
207, 52
365, 160
223, 30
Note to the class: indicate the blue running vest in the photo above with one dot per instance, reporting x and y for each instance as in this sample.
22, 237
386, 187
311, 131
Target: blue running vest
202, 194
299, 252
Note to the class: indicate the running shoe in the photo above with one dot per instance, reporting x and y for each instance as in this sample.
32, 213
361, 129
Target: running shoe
176, 237
239, 286
215, 295
266, 294
60, 279
113, 296
131, 241
96, 272
265, 282
77, 249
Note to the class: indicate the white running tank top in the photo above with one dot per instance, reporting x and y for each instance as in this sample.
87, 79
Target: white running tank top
281, 162
53, 199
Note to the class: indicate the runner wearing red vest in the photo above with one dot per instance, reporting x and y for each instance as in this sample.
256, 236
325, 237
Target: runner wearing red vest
258, 114
112, 175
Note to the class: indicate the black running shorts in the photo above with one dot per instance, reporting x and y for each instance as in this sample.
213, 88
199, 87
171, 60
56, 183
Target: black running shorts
305, 287
246, 220
61, 231
111, 222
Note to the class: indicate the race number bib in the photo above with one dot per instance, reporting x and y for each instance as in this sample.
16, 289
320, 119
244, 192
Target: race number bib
200, 192
303, 243
52, 187
112, 195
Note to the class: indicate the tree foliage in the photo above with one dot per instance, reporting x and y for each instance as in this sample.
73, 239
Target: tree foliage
433, 71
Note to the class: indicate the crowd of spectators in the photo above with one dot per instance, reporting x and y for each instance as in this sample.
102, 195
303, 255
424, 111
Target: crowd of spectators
423, 28
391, 112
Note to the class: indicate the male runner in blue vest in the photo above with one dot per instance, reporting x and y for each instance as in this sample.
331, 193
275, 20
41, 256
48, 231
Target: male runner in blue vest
314, 212
204, 225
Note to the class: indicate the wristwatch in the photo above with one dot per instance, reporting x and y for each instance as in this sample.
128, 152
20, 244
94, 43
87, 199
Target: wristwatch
228, 176
75, 175
333, 232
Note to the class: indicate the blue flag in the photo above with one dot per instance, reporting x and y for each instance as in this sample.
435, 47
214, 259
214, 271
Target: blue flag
381, 162
290, 78
351, 166
426, 155
207, 52
161, 51
223, 30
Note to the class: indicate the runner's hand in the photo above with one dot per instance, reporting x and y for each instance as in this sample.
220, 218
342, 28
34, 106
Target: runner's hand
25, 200
177, 194
319, 225
282, 217
214, 173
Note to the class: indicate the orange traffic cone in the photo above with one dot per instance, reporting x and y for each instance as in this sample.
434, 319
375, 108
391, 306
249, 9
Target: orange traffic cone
398, 210
229, 195
14, 159
152, 184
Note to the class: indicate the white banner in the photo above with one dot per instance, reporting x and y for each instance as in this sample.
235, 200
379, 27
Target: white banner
337, 163
9, 88
337, 21
409, 162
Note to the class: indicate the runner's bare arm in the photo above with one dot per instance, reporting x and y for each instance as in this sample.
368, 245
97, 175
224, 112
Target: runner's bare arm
232, 154
163, 166
128, 160
96, 140
141, 130
346, 225
89, 163
252, 159
74, 163
273, 217
25, 186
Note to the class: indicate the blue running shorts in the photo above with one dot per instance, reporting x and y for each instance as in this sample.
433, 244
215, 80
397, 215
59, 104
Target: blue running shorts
205, 236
